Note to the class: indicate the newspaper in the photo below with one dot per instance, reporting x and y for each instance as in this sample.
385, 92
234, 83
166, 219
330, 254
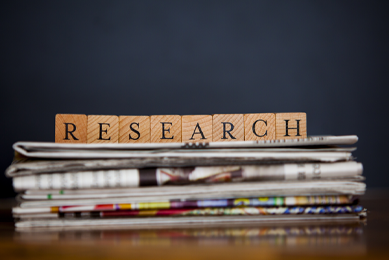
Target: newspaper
36, 198
191, 221
219, 211
185, 204
161, 176
25, 166
60, 150
81, 186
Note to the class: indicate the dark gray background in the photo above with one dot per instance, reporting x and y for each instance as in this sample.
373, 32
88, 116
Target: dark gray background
326, 58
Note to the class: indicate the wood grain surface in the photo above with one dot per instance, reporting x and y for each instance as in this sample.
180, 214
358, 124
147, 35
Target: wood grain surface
128, 125
289, 120
222, 125
71, 128
197, 128
259, 127
165, 128
103, 129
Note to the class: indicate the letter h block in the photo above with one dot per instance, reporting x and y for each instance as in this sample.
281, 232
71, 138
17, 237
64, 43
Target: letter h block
165, 129
70, 128
228, 127
291, 125
103, 129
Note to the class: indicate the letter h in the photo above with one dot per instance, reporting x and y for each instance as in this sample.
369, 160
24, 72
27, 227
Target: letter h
297, 128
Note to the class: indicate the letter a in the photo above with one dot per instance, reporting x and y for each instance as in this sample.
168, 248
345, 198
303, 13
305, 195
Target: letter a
200, 132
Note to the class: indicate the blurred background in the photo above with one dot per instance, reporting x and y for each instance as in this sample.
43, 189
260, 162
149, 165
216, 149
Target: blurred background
326, 58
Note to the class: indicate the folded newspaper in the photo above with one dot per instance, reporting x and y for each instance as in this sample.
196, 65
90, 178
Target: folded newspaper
187, 184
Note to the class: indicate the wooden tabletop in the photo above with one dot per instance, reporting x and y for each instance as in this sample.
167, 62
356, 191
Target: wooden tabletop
368, 239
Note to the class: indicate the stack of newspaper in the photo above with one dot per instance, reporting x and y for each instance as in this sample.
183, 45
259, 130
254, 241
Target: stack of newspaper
170, 185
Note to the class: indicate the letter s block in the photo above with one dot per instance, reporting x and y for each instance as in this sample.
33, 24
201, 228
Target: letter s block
197, 128
291, 125
165, 129
70, 128
228, 127
103, 129
134, 129
259, 127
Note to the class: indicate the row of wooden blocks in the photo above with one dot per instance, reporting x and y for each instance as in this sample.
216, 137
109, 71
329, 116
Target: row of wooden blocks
72, 128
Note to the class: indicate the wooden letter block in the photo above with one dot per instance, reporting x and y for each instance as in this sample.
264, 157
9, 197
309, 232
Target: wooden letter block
228, 127
70, 128
291, 125
103, 129
259, 127
197, 128
165, 129
134, 129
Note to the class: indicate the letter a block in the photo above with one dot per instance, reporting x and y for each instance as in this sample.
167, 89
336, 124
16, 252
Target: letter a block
103, 129
197, 128
165, 129
70, 128
259, 127
134, 129
291, 125
228, 127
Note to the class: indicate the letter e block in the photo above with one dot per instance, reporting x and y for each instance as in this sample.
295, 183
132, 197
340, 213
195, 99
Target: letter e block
291, 125
259, 127
165, 129
228, 127
134, 129
103, 129
197, 128
70, 128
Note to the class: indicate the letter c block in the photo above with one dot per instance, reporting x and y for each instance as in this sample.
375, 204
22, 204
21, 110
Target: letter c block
259, 127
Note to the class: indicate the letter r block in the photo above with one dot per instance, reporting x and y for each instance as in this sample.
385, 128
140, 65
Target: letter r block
228, 127
103, 129
197, 128
134, 129
291, 125
165, 129
259, 127
70, 128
